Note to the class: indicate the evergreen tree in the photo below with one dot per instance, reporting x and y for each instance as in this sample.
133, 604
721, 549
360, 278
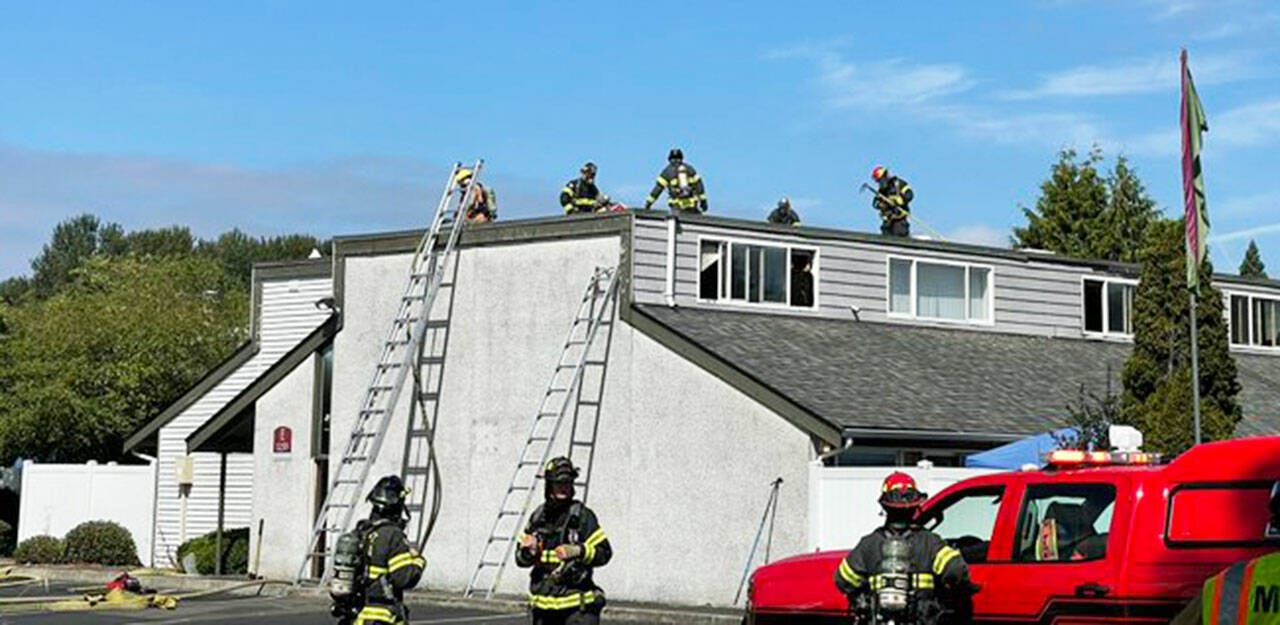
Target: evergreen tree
1157, 391
1071, 202
1251, 266
73, 240
1083, 215
1129, 212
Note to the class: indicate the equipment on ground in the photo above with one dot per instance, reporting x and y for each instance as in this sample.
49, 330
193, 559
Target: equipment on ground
399, 353
566, 387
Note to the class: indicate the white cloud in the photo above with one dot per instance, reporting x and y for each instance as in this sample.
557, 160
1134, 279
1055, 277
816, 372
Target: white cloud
39, 188
980, 234
1246, 233
880, 83
1149, 75
1250, 125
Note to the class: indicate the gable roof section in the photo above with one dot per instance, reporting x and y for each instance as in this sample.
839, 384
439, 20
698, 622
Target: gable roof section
925, 382
224, 430
145, 438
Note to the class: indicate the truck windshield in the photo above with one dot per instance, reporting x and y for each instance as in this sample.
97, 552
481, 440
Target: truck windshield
967, 520
1065, 522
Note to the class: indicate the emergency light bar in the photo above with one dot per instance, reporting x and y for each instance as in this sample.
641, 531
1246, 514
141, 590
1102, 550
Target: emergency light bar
1063, 458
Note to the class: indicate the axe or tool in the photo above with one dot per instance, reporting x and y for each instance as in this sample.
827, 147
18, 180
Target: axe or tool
881, 197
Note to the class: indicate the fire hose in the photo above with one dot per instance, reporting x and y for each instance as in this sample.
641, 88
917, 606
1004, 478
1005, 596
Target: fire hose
910, 215
106, 597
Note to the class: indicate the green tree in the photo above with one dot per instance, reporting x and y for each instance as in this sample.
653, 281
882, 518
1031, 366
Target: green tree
73, 240
171, 241
1251, 266
1091, 418
1072, 200
13, 290
1157, 376
1129, 212
125, 337
1082, 214
238, 251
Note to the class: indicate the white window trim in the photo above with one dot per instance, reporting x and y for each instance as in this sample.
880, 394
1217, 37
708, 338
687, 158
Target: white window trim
724, 300
1106, 303
915, 261
1249, 345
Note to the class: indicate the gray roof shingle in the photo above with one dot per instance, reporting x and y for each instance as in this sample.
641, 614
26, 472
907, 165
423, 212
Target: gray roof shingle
899, 376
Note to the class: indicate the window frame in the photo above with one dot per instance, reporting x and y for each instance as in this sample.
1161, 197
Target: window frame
1249, 296
914, 292
1002, 491
724, 285
1106, 307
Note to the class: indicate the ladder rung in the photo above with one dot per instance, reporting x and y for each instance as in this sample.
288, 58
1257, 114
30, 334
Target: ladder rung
429, 396
390, 365
432, 360
568, 343
372, 410
354, 459
403, 320
511, 488
557, 389
588, 402
509, 513
339, 505
381, 387
437, 323
582, 443
596, 363
490, 563
341, 481
416, 470
419, 432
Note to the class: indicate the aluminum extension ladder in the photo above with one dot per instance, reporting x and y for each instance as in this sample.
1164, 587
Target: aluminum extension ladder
596, 311
399, 352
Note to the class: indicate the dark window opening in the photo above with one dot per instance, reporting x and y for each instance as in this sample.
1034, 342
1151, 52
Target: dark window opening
801, 278
709, 270
1065, 523
1239, 320
1092, 306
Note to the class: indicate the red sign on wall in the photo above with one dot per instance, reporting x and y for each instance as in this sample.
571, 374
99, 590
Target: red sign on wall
282, 440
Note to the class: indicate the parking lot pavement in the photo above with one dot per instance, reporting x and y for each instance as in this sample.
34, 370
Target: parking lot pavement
244, 610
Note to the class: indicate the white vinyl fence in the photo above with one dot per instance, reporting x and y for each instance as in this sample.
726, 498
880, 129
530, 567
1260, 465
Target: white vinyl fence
58, 497
842, 500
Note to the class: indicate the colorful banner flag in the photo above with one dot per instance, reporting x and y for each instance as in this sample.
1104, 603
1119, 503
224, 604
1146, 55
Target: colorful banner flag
1197, 220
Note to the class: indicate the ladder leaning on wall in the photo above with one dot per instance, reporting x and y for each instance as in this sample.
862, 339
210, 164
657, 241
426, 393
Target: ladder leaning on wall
400, 351
582, 351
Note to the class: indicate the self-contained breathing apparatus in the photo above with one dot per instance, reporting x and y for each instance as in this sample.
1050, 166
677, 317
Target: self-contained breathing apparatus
352, 550
892, 598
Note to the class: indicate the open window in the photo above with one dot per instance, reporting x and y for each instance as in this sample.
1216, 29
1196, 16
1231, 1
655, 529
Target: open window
967, 520
1108, 306
757, 273
1065, 523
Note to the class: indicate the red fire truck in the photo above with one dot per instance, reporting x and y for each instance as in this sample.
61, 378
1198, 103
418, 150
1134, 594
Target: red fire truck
1090, 538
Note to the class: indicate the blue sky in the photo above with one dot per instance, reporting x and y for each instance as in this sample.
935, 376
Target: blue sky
332, 118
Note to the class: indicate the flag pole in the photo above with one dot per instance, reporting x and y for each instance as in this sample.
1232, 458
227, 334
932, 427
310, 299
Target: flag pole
1195, 366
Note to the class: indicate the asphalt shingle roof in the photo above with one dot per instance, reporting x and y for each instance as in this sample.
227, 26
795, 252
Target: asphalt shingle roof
898, 376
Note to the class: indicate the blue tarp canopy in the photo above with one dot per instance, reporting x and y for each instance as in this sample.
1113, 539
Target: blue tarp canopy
1013, 456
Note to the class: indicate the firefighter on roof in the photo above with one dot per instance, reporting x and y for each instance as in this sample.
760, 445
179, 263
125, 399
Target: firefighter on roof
902, 572
685, 191
784, 215
580, 195
893, 200
482, 203
392, 564
563, 543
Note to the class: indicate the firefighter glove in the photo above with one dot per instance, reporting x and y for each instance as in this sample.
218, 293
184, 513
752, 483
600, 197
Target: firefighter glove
568, 552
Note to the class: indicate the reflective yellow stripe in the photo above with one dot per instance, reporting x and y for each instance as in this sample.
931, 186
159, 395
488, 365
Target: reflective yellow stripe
662, 181
847, 574
695, 179
940, 561
548, 602
371, 614
377, 571
584, 201
567, 190
408, 558
923, 580
549, 556
593, 541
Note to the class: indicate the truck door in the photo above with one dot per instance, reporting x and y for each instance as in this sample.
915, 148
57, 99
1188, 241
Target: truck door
967, 520
1066, 552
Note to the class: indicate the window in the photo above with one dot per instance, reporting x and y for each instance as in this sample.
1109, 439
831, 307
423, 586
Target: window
1108, 306
945, 291
1223, 514
756, 273
967, 520
1065, 522
1255, 321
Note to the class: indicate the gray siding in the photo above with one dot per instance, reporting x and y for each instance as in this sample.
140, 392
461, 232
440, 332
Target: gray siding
1031, 296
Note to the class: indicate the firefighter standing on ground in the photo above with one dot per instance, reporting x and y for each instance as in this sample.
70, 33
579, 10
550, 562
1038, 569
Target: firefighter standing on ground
482, 204
563, 543
392, 565
1245, 593
893, 201
901, 553
784, 215
580, 195
685, 191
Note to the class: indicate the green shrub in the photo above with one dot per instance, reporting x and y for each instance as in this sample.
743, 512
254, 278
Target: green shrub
235, 549
101, 542
39, 550
6, 538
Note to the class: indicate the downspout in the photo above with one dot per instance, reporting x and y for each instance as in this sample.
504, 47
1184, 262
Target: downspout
155, 499
671, 261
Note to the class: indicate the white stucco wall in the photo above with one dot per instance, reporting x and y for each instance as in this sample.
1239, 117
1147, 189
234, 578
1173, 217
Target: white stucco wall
285, 481
683, 464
